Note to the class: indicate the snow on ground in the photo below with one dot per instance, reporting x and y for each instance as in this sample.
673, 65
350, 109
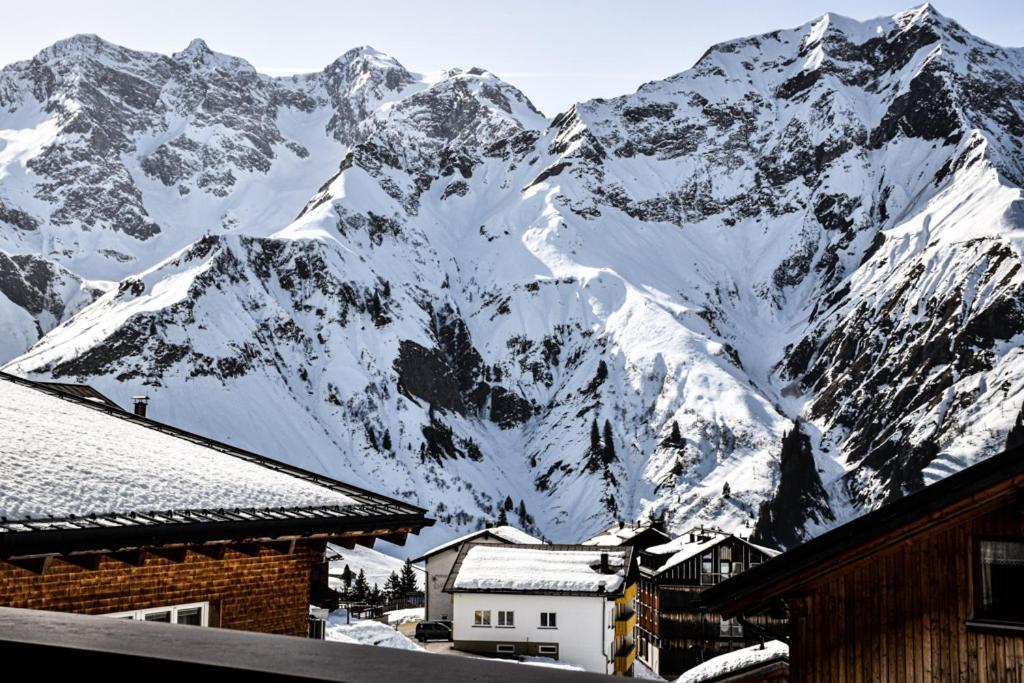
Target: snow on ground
59, 457
735, 661
641, 671
376, 564
530, 568
405, 616
365, 632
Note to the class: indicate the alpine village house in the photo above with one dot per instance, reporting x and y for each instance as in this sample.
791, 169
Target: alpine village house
568, 602
927, 588
106, 512
675, 633
438, 563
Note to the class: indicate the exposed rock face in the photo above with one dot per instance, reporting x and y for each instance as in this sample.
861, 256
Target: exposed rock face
820, 223
799, 497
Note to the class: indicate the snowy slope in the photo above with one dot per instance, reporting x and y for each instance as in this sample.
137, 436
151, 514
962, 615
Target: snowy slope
377, 563
823, 222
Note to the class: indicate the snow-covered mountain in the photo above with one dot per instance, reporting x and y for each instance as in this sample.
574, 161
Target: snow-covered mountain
793, 269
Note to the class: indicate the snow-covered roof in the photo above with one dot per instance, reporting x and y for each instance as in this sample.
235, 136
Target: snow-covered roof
736, 662
695, 542
571, 569
508, 534
617, 534
63, 455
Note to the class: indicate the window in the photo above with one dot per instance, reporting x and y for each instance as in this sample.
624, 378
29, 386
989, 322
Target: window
482, 617
706, 569
724, 568
506, 619
551, 650
506, 649
730, 628
196, 614
549, 620
1002, 573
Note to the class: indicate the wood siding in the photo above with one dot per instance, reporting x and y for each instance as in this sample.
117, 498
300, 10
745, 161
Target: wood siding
671, 620
268, 592
903, 614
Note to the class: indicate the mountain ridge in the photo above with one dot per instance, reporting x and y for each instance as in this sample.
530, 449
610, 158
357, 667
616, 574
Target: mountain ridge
820, 223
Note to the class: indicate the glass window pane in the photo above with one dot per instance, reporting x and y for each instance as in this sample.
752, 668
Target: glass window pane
193, 616
158, 616
1002, 573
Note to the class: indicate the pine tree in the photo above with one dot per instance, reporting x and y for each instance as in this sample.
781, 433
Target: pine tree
509, 504
375, 596
609, 444
408, 579
726, 490
386, 441
1015, 437
521, 513
346, 577
502, 517
595, 437
393, 588
360, 587
675, 438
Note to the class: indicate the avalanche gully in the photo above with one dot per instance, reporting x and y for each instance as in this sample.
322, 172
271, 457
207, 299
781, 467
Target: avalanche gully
794, 268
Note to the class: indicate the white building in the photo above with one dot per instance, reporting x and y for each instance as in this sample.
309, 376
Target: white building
439, 563
573, 603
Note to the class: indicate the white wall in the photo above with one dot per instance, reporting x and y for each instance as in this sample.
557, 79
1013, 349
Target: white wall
581, 640
439, 566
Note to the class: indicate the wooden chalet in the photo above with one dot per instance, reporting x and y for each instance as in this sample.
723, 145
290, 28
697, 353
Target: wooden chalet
674, 632
105, 512
637, 536
928, 588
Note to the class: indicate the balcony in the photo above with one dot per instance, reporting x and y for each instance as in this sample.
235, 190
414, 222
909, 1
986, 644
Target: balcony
624, 659
624, 624
628, 596
69, 644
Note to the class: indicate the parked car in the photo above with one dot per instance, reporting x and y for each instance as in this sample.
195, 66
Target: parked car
433, 630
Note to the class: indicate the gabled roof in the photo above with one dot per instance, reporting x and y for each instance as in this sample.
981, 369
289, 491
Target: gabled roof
502, 534
691, 544
83, 475
621, 534
540, 569
990, 482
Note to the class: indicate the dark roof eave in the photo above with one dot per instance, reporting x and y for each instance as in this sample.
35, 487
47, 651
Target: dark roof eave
109, 539
757, 584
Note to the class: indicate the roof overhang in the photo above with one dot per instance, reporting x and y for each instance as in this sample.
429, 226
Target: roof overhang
59, 537
988, 485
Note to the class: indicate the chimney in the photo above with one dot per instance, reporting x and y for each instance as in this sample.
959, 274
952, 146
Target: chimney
140, 405
621, 524
604, 564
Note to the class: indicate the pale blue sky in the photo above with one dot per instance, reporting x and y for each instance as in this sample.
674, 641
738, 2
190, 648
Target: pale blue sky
558, 52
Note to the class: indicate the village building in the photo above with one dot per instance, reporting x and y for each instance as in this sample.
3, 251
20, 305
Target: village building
674, 632
105, 512
637, 536
438, 563
573, 603
927, 588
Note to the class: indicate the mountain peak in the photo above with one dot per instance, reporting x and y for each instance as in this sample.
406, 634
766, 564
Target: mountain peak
198, 54
197, 49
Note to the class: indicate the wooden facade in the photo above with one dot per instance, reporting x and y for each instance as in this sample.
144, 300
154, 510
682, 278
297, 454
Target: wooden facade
674, 632
895, 595
906, 613
266, 588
